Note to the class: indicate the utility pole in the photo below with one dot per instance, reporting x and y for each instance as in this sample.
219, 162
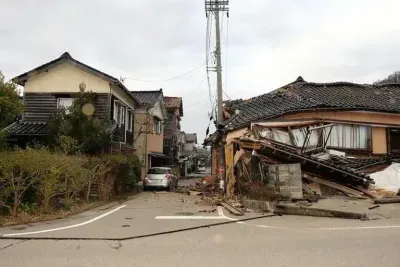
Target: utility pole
214, 7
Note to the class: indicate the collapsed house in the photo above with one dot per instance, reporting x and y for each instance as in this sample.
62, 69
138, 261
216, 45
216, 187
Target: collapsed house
304, 136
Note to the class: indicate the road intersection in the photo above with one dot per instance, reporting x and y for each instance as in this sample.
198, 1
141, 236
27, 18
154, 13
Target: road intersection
150, 220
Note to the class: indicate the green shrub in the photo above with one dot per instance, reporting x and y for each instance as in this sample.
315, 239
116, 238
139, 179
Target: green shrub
73, 130
39, 178
128, 174
19, 170
3, 143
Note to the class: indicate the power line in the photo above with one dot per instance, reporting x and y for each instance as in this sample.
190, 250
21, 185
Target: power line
226, 95
196, 90
208, 43
169, 79
226, 55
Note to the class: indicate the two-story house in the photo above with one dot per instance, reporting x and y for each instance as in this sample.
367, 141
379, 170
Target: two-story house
149, 129
53, 84
172, 127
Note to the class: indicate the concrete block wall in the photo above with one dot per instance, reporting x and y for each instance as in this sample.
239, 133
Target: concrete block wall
287, 179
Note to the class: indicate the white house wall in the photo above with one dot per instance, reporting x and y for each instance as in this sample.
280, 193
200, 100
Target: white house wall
65, 78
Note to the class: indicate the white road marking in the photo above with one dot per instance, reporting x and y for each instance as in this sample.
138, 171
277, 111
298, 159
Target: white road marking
358, 228
266, 226
189, 218
221, 212
68, 227
219, 217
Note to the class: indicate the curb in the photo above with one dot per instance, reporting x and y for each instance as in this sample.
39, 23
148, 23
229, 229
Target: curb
258, 205
315, 212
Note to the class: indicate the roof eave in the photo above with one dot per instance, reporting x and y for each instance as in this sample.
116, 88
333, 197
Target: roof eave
247, 124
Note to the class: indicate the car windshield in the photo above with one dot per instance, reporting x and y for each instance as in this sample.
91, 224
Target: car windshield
157, 171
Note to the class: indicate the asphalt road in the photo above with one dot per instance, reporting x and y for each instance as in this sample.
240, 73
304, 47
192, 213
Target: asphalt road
137, 233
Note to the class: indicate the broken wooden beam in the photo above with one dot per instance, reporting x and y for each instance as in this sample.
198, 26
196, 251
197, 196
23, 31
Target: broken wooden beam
363, 190
387, 200
344, 189
374, 207
232, 209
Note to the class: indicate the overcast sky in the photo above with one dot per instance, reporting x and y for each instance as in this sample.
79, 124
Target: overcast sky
270, 43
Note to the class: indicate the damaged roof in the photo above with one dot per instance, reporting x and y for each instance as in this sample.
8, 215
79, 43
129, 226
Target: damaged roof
147, 97
173, 102
305, 96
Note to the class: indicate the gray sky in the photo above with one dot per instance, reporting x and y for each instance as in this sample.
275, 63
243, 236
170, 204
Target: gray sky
270, 43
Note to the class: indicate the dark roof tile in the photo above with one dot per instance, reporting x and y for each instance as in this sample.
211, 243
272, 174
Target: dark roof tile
147, 97
301, 96
26, 128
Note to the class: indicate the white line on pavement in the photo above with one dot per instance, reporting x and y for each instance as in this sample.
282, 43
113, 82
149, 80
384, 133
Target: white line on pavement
70, 226
220, 216
358, 228
221, 213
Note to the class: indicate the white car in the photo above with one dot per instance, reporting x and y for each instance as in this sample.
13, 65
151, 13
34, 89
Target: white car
160, 177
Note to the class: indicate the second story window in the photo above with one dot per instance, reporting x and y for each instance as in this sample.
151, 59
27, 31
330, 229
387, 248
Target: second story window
65, 103
129, 120
157, 126
119, 113
122, 116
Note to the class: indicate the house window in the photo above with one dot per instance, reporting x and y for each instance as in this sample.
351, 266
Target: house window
122, 115
157, 126
65, 103
349, 136
119, 113
116, 112
129, 120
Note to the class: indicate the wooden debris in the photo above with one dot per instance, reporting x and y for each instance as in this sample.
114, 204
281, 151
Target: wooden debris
363, 190
232, 209
374, 207
310, 194
315, 188
344, 189
195, 193
387, 200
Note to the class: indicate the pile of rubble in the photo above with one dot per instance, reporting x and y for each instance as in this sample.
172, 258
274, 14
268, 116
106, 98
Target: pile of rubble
286, 164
